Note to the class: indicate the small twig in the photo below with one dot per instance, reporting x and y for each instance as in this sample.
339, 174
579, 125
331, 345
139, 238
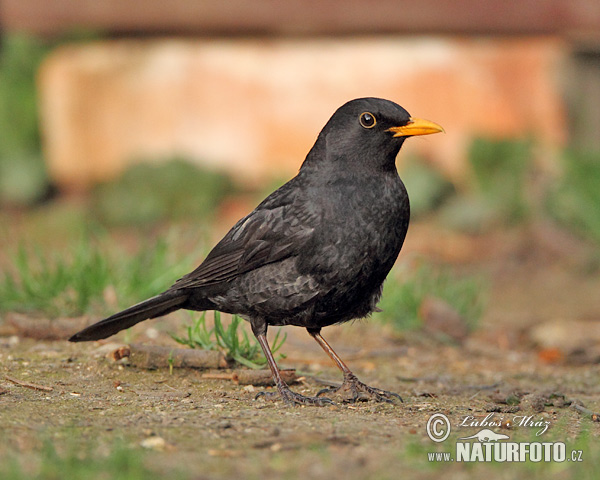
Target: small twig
217, 376
33, 386
154, 356
586, 411
258, 378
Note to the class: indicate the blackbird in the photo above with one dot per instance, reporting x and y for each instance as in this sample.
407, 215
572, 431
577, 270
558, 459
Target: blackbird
315, 252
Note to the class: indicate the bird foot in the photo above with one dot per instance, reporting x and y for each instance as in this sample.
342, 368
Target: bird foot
292, 399
352, 390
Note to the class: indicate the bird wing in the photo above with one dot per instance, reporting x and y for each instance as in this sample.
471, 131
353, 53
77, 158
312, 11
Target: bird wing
265, 236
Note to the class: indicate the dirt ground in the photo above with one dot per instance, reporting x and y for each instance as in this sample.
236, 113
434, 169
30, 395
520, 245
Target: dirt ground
204, 428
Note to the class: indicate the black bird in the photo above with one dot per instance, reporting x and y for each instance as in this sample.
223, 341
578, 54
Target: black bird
313, 253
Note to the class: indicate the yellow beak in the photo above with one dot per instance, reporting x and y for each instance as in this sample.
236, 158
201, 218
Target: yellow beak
416, 126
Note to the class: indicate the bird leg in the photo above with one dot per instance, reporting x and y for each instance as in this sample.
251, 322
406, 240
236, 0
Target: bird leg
289, 398
351, 385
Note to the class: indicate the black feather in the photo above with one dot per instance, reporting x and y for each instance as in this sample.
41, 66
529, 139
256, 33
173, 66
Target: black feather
151, 308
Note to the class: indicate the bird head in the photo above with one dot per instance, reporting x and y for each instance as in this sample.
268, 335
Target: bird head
367, 132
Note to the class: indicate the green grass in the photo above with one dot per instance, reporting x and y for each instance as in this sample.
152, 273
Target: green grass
408, 286
122, 463
232, 340
75, 281
574, 201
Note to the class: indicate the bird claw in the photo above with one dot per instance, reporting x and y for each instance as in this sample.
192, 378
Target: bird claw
353, 390
292, 399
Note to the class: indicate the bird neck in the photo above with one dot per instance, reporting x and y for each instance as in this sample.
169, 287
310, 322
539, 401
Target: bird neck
342, 166
363, 161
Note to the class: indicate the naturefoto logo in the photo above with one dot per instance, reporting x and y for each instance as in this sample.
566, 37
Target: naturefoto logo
489, 446
486, 435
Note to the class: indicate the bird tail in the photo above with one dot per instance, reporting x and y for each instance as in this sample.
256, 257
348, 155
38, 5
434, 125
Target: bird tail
162, 304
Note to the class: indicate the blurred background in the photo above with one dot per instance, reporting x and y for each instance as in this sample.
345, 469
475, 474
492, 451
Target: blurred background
133, 135
134, 124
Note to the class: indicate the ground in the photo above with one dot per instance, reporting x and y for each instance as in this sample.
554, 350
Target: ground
178, 423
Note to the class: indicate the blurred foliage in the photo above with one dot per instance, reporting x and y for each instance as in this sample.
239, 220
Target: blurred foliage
20, 58
23, 176
469, 214
497, 194
427, 187
23, 179
500, 170
574, 200
123, 462
407, 286
149, 192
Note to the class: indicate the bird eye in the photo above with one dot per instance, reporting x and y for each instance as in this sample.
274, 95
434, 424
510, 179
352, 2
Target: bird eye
367, 120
